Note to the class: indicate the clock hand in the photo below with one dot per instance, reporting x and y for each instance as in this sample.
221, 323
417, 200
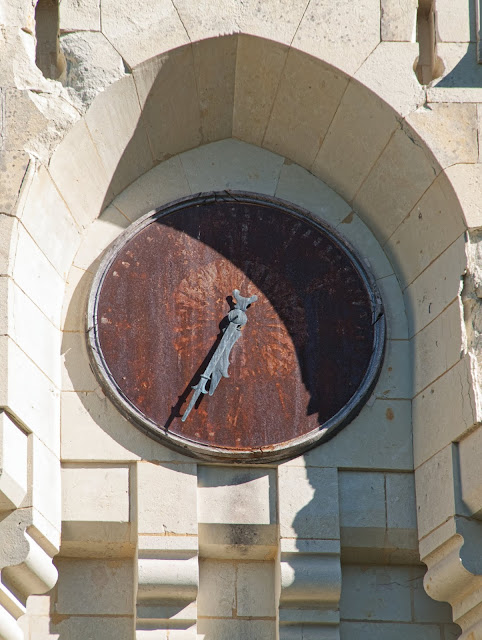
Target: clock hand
219, 363
230, 336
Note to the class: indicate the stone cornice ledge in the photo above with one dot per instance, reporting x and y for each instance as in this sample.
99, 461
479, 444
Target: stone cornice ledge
448, 580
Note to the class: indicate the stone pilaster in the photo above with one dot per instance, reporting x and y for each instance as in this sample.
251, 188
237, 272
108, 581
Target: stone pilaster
310, 569
167, 571
167, 551
310, 580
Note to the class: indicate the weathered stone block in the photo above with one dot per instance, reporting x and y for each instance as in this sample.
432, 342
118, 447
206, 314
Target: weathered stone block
335, 36
259, 64
36, 276
9, 226
396, 376
91, 65
460, 79
41, 345
13, 464
215, 66
95, 587
308, 96
169, 100
236, 496
411, 258
79, 16
455, 21
392, 630
466, 180
438, 346
101, 233
162, 184
376, 593
443, 411
237, 629
255, 589
93, 429
434, 485
401, 504
139, 31
394, 307
398, 20
41, 413
388, 72
217, 593
436, 287
387, 196
450, 130
159, 510
470, 480
13, 165
19, 14
425, 608
308, 502
43, 211
361, 127
379, 437
77, 374
356, 231
238, 541
362, 499
74, 164
91, 494
297, 185
230, 164
18, 56
81, 627
119, 135
164, 581
77, 289
205, 20
46, 497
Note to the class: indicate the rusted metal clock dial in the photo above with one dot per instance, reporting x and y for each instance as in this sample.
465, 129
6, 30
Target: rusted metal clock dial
303, 369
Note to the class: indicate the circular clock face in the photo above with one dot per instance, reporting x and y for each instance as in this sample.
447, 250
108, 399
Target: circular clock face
301, 357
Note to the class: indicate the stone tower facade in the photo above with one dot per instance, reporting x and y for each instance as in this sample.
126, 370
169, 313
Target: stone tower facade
366, 113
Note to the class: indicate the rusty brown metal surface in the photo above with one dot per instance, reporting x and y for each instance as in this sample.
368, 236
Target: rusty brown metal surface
302, 356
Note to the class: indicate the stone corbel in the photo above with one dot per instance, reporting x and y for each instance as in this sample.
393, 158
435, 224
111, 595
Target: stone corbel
167, 588
310, 579
25, 569
448, 580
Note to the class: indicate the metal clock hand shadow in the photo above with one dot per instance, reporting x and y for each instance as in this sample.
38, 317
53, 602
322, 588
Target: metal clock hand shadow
176, 409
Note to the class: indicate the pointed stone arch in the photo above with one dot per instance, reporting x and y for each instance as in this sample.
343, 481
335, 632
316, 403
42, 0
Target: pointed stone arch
359, 134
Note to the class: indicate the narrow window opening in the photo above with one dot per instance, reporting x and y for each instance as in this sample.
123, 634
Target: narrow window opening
428, 65
47, 57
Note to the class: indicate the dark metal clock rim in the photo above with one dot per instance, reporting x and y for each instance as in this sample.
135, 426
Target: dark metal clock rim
272, 453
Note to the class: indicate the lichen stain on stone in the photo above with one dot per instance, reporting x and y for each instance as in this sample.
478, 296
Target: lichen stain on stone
349, 218
389, 414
